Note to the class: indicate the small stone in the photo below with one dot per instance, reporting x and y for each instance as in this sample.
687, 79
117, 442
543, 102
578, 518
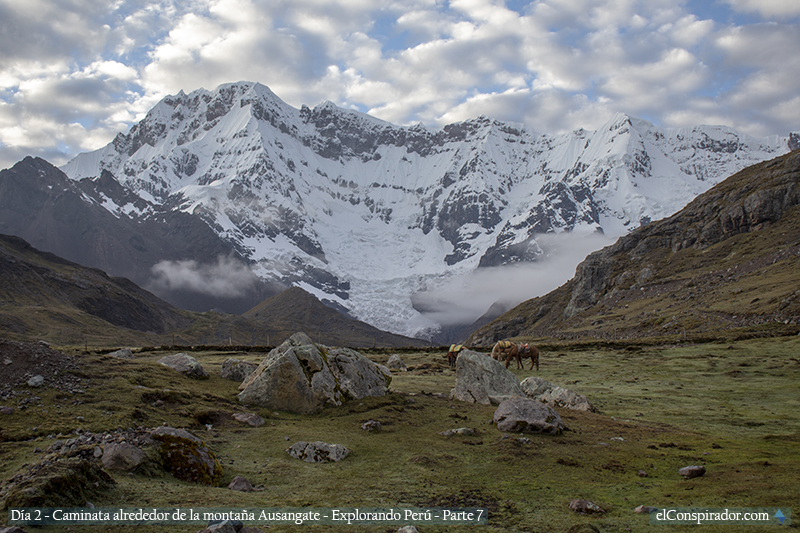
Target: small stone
468, 432
395, 363
373, 426
585, 507
642, 473
250, 419
241, 484
645, 509
689, 472
123, 353
36, 381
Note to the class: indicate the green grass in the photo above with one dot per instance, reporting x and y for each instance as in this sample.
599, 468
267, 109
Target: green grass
729, 406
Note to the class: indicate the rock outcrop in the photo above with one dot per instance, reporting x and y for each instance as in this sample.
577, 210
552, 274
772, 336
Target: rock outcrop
523, 415
69, 482
481, 379
301, 377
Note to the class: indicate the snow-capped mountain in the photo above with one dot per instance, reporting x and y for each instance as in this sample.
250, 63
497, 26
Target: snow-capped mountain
366, 214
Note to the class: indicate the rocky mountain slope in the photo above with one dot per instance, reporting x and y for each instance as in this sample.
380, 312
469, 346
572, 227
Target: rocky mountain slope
43, 296
728, 261
366, 214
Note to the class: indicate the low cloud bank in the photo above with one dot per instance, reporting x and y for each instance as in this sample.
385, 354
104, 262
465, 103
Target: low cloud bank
463, 299
225, 278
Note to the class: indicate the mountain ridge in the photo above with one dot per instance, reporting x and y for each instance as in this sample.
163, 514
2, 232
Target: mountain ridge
727, 261
320, 198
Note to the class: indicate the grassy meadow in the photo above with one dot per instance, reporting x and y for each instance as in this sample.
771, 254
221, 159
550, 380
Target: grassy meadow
730, 406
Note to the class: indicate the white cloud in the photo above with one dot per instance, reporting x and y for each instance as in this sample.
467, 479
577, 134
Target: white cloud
74, 73
226, 277
767, 8
463, 299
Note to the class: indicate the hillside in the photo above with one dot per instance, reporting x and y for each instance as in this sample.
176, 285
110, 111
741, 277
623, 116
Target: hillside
297, 310
729, 262
45, 297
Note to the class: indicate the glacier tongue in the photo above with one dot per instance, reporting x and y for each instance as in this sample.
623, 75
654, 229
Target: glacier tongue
369, 214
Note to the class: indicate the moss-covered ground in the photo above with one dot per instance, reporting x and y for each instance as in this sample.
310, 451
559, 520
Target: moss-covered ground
732, 407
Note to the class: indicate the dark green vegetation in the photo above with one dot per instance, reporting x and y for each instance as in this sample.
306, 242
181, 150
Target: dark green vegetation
729, 406
728, 262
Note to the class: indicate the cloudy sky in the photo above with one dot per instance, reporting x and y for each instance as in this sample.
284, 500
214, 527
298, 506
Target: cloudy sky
73, 73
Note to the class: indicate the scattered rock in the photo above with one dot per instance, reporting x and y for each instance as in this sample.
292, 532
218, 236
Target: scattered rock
560, 397
6, 410
395, 363
585, 507
185, 364
301, 377
236, 370
373, 426
534, 386
408, 529
251, 419
187, 457
523, 415
469, 432
481, 379
689, 472
241, 484
122, 353
645, 509
642, 473
23, 360
36, 381
122, 456
555, 396
318, 452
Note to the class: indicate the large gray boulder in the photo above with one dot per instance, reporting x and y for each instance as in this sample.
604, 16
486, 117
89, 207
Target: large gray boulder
481, 379
301, 377
524, 415
122, 456
185, 364
555, 396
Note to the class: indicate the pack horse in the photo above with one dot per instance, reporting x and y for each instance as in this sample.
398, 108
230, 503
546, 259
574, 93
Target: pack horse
508, 351
452, 355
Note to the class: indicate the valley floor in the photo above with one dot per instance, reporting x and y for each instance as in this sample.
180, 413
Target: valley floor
731, 407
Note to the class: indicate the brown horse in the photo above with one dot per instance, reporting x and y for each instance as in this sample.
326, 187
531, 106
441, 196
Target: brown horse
523, 351
501, 349
452, 355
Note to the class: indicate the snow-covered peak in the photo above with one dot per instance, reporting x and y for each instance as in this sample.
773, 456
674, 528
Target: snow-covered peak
367, 213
